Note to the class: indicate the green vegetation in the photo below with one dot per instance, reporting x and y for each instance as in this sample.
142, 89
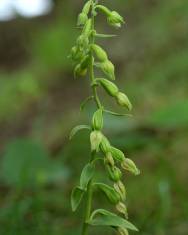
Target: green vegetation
87, 55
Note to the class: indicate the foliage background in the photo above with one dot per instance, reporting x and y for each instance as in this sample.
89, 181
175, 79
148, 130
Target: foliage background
39, 104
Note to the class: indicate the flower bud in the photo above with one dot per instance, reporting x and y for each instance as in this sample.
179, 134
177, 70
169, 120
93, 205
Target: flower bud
129, 165
115, 19
95, 139
117, 154
123, 100
120, 188
97, 120
109, 159
85, 62
123, 231
114, 198
82, 19
105, 145
122, 209
82, 41
108, 69
109, 87
87, 27
76, 54
100, 53
79, 71
86, 7
114, 173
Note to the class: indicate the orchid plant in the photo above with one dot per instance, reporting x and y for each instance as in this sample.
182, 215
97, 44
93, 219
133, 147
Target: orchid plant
87, 56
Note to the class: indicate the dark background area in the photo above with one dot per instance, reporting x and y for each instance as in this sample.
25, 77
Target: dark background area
39, 105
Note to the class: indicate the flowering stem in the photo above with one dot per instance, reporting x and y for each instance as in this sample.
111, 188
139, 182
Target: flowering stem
98, 103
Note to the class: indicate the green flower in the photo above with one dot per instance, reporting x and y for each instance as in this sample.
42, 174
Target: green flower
115, 19
123, 100
82, 19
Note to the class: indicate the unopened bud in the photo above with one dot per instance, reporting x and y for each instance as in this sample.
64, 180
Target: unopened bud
109, 87
79, 71
95, 139
109, 159
108, 69
122, 209
100, 53
117, 154
97, 120
82, 41
85, 62
86, 7
123, 100
115, 19
82, 19
105, 145
123, 231
120, 188
87, 27
75, 54
129, 165
114, 173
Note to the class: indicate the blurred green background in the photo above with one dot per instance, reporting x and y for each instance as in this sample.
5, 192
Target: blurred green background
39, 104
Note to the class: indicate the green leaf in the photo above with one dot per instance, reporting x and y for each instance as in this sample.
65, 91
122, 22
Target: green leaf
110, 192
117, 114
105, 35
78, 128
103, 217
86, 175
85, 102
76, 197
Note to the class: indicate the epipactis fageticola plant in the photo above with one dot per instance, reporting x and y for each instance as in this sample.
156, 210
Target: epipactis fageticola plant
87, 56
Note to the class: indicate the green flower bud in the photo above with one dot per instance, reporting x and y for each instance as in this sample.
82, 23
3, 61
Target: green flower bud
79, 71
129, 165
105, 145
122, 209
97, 120
87, 27
95, 140
114, 173
75, 54
109, 87
109, 160
82, 19
86, 7
120, 188
123, 231
115, 19
108, 69
100, 53
82, 41
85, 62
117, 154
123, 100
114, 198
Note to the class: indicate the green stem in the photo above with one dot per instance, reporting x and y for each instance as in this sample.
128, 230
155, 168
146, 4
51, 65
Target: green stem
98, 103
